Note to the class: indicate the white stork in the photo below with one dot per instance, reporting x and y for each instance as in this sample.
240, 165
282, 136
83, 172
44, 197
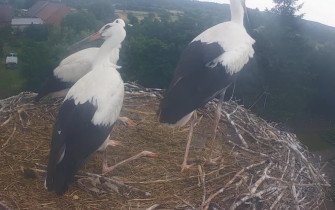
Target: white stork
87, 115
75, 66
206, 68
78, 64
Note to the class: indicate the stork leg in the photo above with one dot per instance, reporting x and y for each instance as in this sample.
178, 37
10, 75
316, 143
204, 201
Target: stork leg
188, 144
114, 143
217, 117
126, 121
108, 143
107, 169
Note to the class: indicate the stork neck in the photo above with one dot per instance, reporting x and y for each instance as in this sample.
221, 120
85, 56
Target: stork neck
107, 49
236, 11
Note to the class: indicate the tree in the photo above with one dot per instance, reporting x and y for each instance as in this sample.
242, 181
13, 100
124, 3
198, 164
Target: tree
102, 11
37, 61
1, 48
132, 19
80, 21
287, 8
37, 32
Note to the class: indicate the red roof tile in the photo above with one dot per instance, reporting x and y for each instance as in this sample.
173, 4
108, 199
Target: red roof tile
51, 13
6, 15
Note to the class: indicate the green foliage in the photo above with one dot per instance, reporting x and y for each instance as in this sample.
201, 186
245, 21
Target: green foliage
287, 8
132, 19
10, 82
80, 21
1, 48
37, 61
103, 11
36, 32
149, 61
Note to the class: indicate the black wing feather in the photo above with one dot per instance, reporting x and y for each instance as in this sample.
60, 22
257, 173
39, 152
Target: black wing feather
75, 134
194, 83
52, 84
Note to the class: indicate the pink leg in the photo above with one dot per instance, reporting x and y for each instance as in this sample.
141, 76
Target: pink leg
106, 169
214, 131
189, 139
126, 121
114, 143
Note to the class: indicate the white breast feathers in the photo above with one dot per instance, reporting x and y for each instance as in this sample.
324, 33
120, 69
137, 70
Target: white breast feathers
104, 89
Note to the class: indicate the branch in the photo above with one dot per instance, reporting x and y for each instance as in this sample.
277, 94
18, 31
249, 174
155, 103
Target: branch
206, 203
9, 138
236, 130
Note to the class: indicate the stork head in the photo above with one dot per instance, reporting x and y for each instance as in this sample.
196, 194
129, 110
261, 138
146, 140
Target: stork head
114, 29
110, 29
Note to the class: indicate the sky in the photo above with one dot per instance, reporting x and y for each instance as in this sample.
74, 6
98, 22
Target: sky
322, 11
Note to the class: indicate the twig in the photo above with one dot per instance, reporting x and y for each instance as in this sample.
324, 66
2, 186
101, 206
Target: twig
256, 195
277, 200
184, 201
7, 121
205, 205
153, 207
103, 183
236, 130
260, 180
248, 150
202, 177
9, 138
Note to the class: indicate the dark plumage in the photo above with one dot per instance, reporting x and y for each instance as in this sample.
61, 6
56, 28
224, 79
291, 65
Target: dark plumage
73, 127
205, 70
195, 83
87, 115
52, 84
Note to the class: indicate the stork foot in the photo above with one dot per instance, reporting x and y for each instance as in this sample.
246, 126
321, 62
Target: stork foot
126, 121
106, 169
114, 143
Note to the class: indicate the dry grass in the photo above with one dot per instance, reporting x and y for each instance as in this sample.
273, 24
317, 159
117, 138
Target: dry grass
272, 170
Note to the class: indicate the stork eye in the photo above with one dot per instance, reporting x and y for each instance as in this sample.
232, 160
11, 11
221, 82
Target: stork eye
107, 27
117, 21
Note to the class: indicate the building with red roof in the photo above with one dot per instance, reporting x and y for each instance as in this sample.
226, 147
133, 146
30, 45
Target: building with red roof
50, 13
6, 15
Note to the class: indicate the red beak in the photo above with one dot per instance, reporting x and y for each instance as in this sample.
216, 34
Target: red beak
86, 40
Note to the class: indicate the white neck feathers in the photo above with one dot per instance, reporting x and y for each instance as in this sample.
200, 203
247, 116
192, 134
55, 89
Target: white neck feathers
237, 11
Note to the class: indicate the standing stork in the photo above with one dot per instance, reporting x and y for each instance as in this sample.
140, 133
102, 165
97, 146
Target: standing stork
87, 115
75, 66
78, 64
206, 68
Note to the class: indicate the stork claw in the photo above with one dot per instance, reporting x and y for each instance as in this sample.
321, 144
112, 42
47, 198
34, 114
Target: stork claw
126, 121
114, 143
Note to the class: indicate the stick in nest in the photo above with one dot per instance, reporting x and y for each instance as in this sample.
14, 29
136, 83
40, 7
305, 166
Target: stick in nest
205, 205
7, 121
9, 138
96, 183
236, 129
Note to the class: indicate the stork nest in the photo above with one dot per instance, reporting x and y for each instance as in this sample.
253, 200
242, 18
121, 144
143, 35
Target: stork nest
260, 167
